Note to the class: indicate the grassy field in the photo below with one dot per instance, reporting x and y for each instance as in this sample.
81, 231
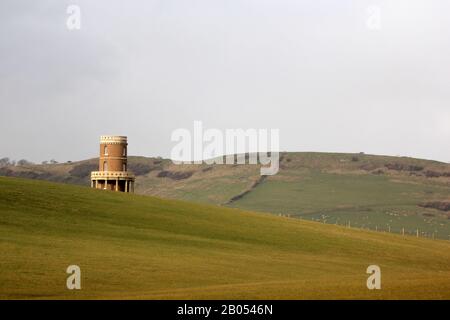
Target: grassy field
133, 246
364, 201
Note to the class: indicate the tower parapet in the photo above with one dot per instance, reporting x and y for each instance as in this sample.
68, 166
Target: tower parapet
113, 171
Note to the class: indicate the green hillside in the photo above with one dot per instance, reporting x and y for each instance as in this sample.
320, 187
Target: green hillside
132, 246
366, 191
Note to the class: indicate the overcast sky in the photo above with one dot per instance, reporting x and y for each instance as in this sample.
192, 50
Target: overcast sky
317, 70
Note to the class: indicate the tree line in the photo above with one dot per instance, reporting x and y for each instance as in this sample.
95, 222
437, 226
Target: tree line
6, 162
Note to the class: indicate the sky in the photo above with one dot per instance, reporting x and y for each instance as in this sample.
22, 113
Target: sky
332, 76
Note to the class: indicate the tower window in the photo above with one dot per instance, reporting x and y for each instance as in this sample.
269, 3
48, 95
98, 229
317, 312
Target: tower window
106, 150
105, 166
124, 167
124, 151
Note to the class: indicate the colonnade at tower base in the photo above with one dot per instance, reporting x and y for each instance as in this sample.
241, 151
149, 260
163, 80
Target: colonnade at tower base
113, 185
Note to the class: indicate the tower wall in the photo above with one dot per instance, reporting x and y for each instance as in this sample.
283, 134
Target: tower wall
113, 153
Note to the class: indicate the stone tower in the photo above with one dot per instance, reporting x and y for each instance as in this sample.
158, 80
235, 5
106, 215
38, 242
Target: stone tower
113, 172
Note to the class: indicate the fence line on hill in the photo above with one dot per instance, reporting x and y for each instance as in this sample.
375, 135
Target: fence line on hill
433, 235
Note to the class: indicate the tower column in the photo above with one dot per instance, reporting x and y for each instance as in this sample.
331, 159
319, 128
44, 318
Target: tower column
117, 184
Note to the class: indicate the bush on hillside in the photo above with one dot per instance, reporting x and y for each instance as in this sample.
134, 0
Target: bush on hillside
83, 170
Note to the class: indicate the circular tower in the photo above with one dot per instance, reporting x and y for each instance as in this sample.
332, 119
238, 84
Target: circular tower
113, 172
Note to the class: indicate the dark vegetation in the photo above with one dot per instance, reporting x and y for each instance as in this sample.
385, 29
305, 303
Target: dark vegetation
435, 174
175, 175
243, 194
403, 167
439, 205
83, 170
140, 169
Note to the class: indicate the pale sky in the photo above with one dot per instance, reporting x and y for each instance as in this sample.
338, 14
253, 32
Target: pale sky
313, 69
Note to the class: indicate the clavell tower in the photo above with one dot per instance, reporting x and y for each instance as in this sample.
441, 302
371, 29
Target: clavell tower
113, 173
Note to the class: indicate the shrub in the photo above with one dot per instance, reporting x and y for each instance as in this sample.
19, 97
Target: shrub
175, 175
83, 170
24, 162
140, 169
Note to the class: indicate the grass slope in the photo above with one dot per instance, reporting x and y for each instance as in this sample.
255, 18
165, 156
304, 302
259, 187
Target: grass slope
131, 246
365, 201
